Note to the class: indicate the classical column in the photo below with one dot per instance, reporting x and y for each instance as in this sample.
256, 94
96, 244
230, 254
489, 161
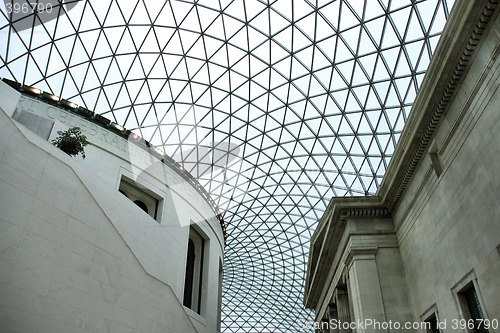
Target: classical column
333, 316
324, 327
364, 289
343, 312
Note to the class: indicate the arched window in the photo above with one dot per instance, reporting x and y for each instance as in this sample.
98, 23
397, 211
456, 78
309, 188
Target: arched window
188, 286
141, 205
194, 267
141, 196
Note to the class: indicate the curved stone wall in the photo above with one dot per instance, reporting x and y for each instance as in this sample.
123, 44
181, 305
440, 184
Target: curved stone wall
76, 254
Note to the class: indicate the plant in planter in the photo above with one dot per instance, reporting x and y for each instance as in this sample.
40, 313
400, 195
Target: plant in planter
72, 141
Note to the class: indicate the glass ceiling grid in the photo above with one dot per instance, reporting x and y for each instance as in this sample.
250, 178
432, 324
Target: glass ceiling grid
274, 107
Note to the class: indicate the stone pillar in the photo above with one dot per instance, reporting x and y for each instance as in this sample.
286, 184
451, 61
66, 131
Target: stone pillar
324, 328
364, 288
323, 325
332, 316
343, 311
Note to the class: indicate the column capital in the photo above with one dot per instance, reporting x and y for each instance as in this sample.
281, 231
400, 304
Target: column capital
339, 291
363, 254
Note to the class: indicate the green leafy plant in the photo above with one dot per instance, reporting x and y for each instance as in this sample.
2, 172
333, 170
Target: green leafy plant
72, 141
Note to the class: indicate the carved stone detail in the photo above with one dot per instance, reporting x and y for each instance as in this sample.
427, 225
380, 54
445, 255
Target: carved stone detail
446, 97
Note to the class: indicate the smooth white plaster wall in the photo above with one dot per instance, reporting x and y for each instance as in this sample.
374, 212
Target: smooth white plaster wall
77, 256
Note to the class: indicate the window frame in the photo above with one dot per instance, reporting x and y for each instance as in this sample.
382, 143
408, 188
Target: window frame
197, 284
136, 192
428, 315
469, 281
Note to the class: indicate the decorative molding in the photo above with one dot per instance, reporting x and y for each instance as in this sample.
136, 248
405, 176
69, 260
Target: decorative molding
459, 71
431, 311
359, 252
339, 291
449, 65
364, 212
363, 252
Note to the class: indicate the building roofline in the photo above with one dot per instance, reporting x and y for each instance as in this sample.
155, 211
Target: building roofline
119, 130
462, 34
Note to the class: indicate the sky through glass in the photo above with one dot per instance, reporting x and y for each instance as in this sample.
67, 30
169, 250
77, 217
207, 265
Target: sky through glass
275, 107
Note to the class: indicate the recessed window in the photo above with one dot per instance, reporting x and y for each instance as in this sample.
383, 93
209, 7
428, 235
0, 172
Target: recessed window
140, 197
219, 301
432, 324
431, 319
472, 308
142, 205
194, 269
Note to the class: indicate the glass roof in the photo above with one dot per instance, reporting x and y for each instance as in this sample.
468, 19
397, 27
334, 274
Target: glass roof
274, 106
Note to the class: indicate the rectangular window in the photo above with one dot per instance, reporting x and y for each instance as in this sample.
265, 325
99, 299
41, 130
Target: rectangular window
194, 269
432, 325
472, 308
140, 197
219, 301
431, 319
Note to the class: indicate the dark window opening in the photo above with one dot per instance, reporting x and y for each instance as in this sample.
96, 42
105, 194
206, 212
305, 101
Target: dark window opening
432, 325
188, 285
141, 196
219, 302
194, 272
473, 309
141, 205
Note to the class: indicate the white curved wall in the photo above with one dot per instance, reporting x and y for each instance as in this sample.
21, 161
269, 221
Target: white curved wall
78, 256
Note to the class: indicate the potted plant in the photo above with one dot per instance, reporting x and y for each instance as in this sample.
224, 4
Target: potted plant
72, 141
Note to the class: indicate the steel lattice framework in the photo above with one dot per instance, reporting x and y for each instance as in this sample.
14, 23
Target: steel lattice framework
274, 106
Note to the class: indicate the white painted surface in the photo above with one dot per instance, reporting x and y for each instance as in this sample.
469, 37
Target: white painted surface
77, 256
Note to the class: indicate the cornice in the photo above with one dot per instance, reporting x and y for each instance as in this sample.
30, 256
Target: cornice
353, 253
327, 240
450, 64
463, 33
365, 212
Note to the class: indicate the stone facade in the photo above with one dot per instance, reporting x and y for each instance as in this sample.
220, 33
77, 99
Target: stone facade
431, 235
76, 255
